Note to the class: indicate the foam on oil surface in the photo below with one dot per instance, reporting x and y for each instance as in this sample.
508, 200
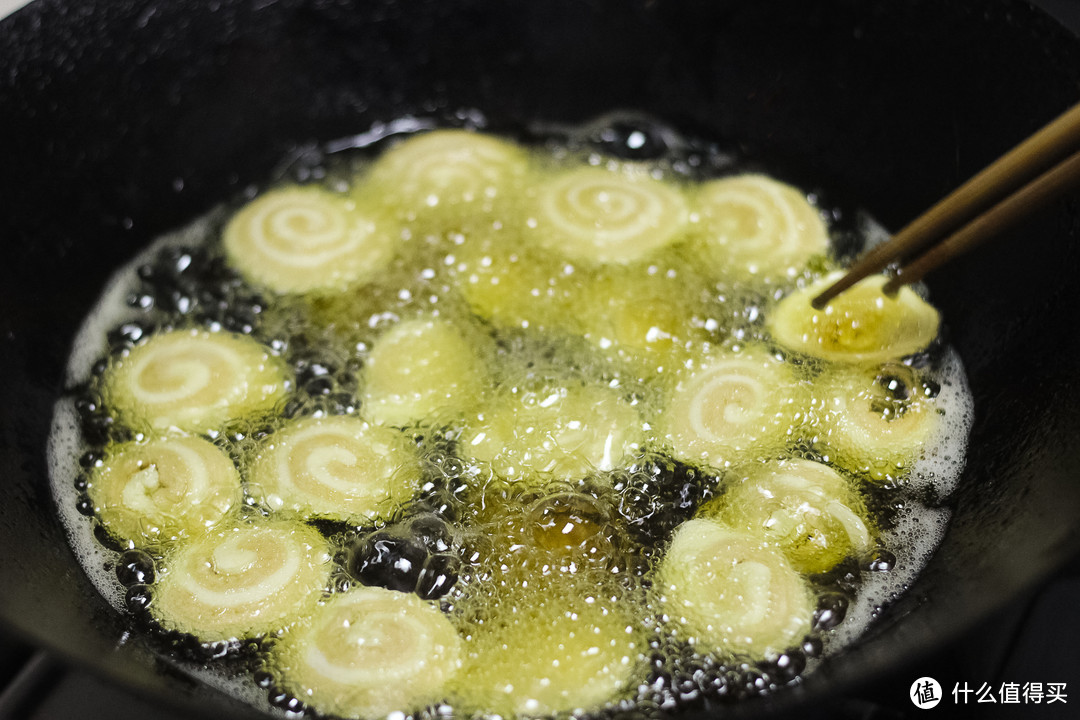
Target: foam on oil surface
424, 290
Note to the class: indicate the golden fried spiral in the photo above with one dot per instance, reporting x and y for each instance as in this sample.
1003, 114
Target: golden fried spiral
866, 429
335, 467
752, 227
243, 581
552, 647
731, 592
598, 216
731, 407
805, 509
301, 239
368, 652
559, 433
422, 370
164, 489
194, 380
442, 170
863, 326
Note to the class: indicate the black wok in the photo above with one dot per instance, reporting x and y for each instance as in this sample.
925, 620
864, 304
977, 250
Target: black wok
121, 119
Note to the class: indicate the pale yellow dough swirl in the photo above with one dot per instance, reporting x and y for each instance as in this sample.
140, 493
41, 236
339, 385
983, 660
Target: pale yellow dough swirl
600, 216
864, 430
552, 649
164, 489
733, 407
369, 652
246, 580
806, 509
336, 467
421, 370
302, 239
561, 432
194, 380
728, 591
753, 228
447, 173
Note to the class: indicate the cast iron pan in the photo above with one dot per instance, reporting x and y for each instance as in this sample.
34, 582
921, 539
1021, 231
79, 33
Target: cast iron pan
121, 119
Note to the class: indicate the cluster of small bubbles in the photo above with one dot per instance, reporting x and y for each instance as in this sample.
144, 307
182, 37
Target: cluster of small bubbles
657, 494
469, 534
197, 283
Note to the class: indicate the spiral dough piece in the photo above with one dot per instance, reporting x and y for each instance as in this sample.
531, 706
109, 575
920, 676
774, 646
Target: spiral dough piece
560, 433
447, 168
421, 370
367, 653
732, 407
805, 509
868, 432
753, 227
164, 489
730, 592
244, 581
556, 647
597, 216
194, 380
863, 326
337, 467
302, 239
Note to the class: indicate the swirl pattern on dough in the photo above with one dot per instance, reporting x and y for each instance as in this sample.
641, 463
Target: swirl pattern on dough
300, 239
164, 489
731, 407
753, 227
868, 428
194, 380
731, 592
369, 652
447, 168
805, 509
335, 467
599, 216
244, 581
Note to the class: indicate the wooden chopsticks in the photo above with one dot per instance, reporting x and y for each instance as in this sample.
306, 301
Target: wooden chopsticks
1018, 183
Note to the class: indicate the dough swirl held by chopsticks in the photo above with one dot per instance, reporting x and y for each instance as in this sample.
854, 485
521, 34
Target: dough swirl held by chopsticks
369, 652
600, 216
164, 489
301, 239
336, 467
194, 380
244, 581
862, 326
